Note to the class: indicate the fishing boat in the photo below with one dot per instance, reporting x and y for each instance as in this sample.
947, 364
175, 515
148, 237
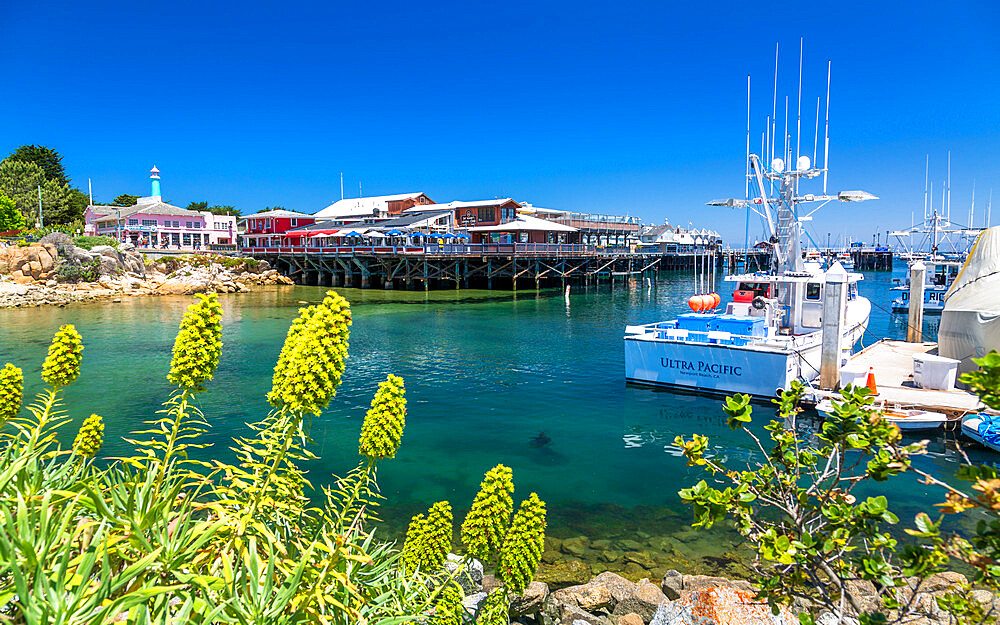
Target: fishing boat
905, 419
939, 275
846, 260
937, 241
771, 332
984, 428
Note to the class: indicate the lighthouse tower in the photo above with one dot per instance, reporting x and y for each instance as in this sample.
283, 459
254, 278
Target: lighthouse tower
154, 175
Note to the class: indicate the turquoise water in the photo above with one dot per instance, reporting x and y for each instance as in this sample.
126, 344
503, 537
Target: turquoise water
486, 373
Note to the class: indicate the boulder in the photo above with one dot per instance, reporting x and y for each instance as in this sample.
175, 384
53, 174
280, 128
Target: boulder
829, 618
619, 587
576, 546
672, 584
127, 246
695, 583
78, 256
472, 603
644, 601
531, 602
720, 606
570, 614
62, 242
631, 619
589, 596
470, 578
108, 266
490, 582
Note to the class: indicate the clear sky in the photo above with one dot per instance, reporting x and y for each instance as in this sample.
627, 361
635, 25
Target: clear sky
620, 107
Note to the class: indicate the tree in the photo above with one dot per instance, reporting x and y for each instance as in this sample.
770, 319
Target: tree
224, 210
10, 217
197, 206
125, 200
272, 208
20, 181
45, 157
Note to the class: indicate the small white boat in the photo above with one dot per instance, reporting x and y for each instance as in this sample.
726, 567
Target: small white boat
983, 428
903, 418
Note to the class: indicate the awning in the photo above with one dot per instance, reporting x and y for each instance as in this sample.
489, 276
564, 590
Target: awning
375, 234
394, 233
527, 224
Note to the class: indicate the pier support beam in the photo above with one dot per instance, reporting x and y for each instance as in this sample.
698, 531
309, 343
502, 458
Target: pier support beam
834, 300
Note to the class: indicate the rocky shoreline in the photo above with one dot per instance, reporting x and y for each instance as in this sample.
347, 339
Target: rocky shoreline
679, 599
56, 273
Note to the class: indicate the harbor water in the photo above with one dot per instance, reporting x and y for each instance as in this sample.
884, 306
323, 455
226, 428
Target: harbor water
529, 379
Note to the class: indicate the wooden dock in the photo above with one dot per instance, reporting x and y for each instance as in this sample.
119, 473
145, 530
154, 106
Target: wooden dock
893, 365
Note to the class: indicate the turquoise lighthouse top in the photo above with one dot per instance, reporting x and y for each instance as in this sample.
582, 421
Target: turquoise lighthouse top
154, 175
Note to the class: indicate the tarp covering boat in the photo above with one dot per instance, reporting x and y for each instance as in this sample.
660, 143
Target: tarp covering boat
970, 322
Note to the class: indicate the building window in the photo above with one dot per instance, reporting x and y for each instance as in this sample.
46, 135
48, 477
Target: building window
177, 224
149, 222
487, 213
187, 224
295, 221
133, 222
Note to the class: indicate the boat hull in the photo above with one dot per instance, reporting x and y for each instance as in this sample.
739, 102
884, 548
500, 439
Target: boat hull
706, 368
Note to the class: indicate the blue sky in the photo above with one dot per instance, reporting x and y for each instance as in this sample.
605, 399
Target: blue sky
609, 107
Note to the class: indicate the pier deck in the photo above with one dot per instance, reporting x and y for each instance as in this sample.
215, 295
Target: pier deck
893, 364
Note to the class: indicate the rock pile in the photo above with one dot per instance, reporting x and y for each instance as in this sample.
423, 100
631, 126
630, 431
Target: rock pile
679, 599
29, 264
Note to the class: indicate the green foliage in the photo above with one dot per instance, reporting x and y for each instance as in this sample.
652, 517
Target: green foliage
448, 609
86, 271
382, 430
486, 524
125, 200
495, 610
198, 344
158, 536
10, 217
20, 181
11, 392
197, 206
90, 242
62, 365
815, 540
522, 547
308, 371
428, 539
90, 437
47, 159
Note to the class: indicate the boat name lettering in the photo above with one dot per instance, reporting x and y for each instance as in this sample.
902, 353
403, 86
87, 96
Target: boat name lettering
701, 366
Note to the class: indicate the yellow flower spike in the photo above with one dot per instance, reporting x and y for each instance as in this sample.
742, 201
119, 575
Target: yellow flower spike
522, 548
428, 539
495, 609
486, 523
11, 392
198, 344
311, 362
382, 429
448, 608
62, 365
90, 438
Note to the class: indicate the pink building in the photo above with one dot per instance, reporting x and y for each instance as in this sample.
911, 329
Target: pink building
154, 223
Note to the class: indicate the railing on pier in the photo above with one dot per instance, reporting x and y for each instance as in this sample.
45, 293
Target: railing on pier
458, 249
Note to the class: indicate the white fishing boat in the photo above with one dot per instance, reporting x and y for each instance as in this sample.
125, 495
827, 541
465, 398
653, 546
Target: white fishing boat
983, 428
937, 241
939, 275
771, 332
904, 418
846, 260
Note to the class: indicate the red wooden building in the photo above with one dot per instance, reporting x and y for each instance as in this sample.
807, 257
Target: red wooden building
265, 228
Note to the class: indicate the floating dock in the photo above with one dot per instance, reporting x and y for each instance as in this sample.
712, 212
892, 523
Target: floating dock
892, 362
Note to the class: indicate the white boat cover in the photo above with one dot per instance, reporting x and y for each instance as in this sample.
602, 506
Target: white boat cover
970, 322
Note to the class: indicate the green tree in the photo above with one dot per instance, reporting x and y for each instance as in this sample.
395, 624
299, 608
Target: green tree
45, 157
224, 210
20, 181
272, 208
10, 217
197, 206
125, 200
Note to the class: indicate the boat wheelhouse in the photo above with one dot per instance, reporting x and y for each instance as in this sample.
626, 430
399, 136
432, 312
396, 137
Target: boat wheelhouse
939, 276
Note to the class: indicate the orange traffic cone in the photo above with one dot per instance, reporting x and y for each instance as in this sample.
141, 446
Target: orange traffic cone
870, 382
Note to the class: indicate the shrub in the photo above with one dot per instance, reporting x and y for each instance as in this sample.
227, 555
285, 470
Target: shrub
158, 536
86, 271
90, 242
818, 540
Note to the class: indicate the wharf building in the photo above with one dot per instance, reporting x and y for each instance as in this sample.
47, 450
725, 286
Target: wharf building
153, 223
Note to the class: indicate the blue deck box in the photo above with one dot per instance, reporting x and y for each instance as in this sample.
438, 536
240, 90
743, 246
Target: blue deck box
740, 325
696, 322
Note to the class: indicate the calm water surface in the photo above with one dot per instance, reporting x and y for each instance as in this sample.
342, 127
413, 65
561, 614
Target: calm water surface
486, 374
